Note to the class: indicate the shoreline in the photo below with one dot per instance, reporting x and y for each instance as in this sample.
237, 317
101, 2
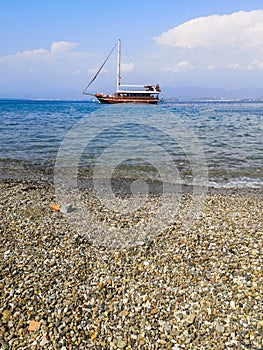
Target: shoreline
122, 184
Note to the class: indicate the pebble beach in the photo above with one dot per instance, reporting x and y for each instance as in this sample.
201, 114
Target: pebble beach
197, 287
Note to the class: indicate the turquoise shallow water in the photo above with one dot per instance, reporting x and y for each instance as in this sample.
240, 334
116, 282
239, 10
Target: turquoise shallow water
184, 139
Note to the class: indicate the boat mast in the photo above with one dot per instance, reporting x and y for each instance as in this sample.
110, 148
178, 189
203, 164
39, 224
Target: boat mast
119, 66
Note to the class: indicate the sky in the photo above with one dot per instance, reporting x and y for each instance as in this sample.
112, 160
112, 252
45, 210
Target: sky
52, 48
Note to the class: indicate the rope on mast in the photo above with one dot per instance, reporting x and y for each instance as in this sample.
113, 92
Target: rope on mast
94, 78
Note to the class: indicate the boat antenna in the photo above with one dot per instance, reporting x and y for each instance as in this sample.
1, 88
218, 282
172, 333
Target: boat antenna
95, 76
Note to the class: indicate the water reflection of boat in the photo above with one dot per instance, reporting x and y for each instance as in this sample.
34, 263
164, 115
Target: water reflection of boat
126, 93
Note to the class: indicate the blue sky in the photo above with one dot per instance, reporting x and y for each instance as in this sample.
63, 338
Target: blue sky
51, 48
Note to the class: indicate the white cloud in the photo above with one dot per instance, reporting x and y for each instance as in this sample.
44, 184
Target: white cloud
62, 47
234, 66
211, 67
180, 67
127, 67
58, 64
256, 64
237, 30
28, 54
219, 49
77, 72
59, 47
95, 70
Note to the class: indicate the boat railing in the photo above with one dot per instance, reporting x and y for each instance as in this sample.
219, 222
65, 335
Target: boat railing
133, 87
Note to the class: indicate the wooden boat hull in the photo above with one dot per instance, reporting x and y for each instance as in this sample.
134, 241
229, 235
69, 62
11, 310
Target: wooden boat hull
117, 99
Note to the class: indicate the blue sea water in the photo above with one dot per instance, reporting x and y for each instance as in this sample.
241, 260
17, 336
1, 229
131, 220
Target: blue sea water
225, 137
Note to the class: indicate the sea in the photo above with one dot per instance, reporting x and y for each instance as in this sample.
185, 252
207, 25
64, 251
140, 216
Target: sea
218, 144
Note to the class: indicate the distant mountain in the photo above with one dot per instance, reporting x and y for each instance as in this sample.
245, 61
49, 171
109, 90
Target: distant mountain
195, 92
40, 90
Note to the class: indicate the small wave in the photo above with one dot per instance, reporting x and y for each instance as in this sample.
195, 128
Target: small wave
244, 182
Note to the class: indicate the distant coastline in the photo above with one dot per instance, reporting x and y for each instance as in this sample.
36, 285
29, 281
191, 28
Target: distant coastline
162, 100
210, 100
168, 94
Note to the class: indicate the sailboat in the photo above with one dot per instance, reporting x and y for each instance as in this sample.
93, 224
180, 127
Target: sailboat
125, 93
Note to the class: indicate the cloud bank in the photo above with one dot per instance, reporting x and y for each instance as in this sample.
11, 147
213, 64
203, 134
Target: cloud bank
217, 49
59, 47
237, 30
181, 66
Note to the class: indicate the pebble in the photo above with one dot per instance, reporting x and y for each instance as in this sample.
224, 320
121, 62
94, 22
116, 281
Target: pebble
196, 287
4, 345
66, 209
43, 341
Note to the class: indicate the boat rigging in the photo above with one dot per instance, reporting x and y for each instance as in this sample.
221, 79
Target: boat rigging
125, 93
